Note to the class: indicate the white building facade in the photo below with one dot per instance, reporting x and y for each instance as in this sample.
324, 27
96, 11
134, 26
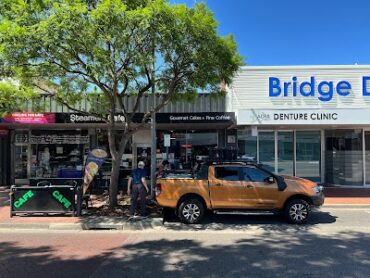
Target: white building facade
307, 121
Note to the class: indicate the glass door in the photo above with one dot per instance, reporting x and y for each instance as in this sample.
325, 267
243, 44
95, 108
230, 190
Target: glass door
308, 150
285, 153
266, 146
20, 163
367, 157
343, 157
20, 157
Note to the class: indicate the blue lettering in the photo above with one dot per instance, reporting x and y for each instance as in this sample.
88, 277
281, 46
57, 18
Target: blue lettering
294, 79
286, 88
324, 90
325, 95
344, 88
274, 83
365, 92
311, 86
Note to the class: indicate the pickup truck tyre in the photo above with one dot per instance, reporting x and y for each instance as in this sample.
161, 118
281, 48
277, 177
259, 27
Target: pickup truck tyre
297, 211
191, 211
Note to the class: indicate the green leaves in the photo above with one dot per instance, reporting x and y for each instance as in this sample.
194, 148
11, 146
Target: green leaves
113, 45
14, 98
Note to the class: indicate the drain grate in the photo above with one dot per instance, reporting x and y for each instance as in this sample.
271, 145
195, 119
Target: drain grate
102, 227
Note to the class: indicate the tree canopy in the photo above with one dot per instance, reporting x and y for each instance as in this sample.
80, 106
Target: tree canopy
70, 48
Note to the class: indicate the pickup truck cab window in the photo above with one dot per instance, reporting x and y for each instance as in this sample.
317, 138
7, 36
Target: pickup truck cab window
254, 174
228, 173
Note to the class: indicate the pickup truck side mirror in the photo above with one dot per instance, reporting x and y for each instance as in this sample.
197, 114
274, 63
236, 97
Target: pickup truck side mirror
270, 179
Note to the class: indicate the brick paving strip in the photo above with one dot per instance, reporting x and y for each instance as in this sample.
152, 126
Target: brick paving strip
94, 222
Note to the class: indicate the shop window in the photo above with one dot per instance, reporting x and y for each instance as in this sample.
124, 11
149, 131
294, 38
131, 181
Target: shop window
343, 157
20, 154
187, 148
58, 154
247, 144
127, 157
308, 149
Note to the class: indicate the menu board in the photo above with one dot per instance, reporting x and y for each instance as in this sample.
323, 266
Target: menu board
59, 139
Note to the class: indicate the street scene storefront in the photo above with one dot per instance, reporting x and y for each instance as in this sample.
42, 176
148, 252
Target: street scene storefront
307, 121
54, 146
304, 121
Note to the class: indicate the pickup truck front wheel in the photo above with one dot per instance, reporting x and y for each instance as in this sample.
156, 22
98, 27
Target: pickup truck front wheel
297, 211
191, 211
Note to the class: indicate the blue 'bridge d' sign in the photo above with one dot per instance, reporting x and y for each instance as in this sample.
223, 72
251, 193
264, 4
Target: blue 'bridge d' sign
324, 91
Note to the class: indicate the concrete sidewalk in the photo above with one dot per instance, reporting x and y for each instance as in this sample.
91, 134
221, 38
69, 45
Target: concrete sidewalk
91, 222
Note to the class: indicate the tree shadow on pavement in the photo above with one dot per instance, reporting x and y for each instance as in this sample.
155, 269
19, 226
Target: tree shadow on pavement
266, 254
270, 254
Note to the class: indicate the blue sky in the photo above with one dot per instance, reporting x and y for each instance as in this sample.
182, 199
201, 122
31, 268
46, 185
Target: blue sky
296, 32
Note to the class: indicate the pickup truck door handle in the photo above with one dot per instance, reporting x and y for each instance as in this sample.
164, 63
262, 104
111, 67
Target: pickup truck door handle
249, 186
218, 184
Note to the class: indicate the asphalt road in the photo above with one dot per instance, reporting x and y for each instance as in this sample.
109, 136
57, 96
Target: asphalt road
336, 243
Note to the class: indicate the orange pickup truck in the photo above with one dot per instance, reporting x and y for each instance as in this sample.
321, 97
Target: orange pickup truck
237, 187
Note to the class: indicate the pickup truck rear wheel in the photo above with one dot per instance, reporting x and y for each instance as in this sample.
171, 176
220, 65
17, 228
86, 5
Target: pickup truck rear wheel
191, 211
296, 211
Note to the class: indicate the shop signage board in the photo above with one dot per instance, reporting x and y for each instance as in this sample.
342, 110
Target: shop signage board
59, 139
79, 118
30, 199
323, 90
29, 118
303, 116
293, 87
206, 117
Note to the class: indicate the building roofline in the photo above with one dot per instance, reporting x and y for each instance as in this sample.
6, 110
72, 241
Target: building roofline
305, 67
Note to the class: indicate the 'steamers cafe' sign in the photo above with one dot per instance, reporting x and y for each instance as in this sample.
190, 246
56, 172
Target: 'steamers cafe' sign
49, 118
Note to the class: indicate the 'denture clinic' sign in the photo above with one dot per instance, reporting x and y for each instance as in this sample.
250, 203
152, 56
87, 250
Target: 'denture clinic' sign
303, 116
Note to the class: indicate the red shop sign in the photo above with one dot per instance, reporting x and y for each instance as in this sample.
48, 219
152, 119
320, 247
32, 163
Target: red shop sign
186, 146
30, 118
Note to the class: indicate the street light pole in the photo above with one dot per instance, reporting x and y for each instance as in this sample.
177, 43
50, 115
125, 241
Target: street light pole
153, 149
153, 153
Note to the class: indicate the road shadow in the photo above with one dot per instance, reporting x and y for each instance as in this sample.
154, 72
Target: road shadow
266, 254
270, 254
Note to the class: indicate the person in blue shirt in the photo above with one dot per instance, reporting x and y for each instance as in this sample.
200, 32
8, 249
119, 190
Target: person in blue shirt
137, 187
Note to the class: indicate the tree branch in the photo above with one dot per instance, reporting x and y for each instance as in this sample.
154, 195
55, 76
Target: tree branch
142, 91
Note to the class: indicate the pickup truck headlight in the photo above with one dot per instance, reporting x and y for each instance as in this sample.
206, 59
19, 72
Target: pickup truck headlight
317, 189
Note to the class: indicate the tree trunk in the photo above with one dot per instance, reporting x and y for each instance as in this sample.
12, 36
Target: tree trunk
113, 186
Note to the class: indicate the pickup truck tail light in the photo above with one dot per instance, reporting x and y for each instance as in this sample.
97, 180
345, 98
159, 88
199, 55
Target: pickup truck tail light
158, 189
